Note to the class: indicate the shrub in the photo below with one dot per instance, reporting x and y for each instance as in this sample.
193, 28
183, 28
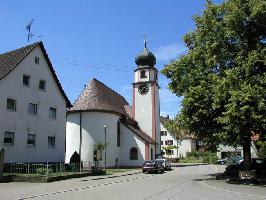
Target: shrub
44, 171
75, 158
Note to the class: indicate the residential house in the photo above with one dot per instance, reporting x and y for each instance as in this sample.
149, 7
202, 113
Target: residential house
32, 107
180, 145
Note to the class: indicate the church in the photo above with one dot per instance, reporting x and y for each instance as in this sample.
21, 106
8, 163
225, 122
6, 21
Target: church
102, 116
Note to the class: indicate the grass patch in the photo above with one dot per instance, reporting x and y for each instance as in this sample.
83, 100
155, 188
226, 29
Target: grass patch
117, 170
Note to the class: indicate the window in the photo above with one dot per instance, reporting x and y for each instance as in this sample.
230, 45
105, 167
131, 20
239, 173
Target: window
133, 153
9, 137
51, 142
169, 152
31, 139
163, 133
42, 85
168, 142
118, 133
161, 142
32, 109
26, 80
11, 104
52, 113
143, 74
37, 60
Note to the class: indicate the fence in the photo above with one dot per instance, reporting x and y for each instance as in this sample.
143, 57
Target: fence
48, 168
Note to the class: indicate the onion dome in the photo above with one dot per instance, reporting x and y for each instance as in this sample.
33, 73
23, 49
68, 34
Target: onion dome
145, 58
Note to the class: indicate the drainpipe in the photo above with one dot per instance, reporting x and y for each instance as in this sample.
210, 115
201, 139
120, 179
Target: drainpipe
80, 133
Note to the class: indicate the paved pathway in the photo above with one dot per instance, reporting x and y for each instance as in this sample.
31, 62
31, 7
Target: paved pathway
183, 183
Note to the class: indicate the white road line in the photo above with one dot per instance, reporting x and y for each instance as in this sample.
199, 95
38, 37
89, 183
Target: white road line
82, 188
229, 191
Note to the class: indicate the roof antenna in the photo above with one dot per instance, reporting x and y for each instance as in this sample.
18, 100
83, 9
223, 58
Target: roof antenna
28, 29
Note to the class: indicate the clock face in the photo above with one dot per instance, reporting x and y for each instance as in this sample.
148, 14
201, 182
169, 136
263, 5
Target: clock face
143, 89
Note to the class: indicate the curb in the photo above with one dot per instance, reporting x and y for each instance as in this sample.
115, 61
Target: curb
115, 176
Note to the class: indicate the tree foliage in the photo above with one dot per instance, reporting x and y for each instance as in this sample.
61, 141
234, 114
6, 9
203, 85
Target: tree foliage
222, 77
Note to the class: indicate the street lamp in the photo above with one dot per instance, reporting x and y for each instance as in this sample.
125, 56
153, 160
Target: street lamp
105, 147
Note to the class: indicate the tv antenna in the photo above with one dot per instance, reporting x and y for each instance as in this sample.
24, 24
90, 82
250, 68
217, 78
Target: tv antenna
28, 29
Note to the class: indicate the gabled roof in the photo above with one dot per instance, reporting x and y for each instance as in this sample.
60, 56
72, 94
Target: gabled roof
182, 134
98, 97
10, 60
133, 126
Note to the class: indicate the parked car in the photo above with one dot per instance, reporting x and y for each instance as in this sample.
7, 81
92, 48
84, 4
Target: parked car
257, 164
222, 161
152, 166
166, 164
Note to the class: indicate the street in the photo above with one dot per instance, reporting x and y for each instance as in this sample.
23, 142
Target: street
184, 183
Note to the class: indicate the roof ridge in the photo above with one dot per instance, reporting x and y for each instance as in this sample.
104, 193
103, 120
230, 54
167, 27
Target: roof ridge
94, 79
33, 44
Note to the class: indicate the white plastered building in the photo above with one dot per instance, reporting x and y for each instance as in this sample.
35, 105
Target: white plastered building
132, 132
183, 144
32, 107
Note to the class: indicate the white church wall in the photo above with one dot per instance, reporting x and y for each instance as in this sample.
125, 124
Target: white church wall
23, 123
129, 140
143, 111
93, 132
72, 135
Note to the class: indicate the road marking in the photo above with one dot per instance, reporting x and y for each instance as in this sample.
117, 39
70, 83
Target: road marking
229, 191
83, 188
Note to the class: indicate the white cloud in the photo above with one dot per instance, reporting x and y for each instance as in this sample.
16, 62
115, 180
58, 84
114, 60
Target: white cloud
169, 52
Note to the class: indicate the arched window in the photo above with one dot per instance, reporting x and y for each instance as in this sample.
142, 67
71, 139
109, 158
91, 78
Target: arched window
133, 153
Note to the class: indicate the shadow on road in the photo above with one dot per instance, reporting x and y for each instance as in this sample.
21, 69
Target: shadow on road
188, 165
229, 180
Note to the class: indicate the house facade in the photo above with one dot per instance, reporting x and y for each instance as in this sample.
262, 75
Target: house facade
101, 115
32, 107
172, 146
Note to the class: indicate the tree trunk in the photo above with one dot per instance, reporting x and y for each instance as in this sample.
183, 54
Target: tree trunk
247, 152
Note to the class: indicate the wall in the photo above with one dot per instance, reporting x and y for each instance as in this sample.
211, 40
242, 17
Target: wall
21, 122
129, 140
92, 132
169, 137
143, 110
186, 145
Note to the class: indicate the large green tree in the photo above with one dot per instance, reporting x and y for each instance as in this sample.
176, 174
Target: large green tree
222, 77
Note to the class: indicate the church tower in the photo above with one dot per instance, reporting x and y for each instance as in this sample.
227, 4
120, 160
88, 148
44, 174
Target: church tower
146, 102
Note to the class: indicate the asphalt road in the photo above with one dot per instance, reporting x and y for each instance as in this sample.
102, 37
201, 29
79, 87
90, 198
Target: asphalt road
182, 183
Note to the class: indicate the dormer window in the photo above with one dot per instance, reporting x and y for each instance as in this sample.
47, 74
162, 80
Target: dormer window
37, 60
143, 74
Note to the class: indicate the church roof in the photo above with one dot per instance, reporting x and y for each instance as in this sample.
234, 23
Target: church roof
133, 126
10, 60
98, 97
145, 58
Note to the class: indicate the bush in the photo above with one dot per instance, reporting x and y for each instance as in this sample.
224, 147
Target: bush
200, 157
75, 158
44, 171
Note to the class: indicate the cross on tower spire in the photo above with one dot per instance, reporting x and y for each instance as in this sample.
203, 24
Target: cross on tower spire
145, 40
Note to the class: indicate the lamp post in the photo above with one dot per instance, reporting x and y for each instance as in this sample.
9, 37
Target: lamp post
104, 148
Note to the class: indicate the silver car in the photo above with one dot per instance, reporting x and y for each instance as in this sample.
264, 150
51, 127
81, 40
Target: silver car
166, 164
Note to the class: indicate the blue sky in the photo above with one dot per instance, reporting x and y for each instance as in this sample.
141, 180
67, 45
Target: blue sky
86, 39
